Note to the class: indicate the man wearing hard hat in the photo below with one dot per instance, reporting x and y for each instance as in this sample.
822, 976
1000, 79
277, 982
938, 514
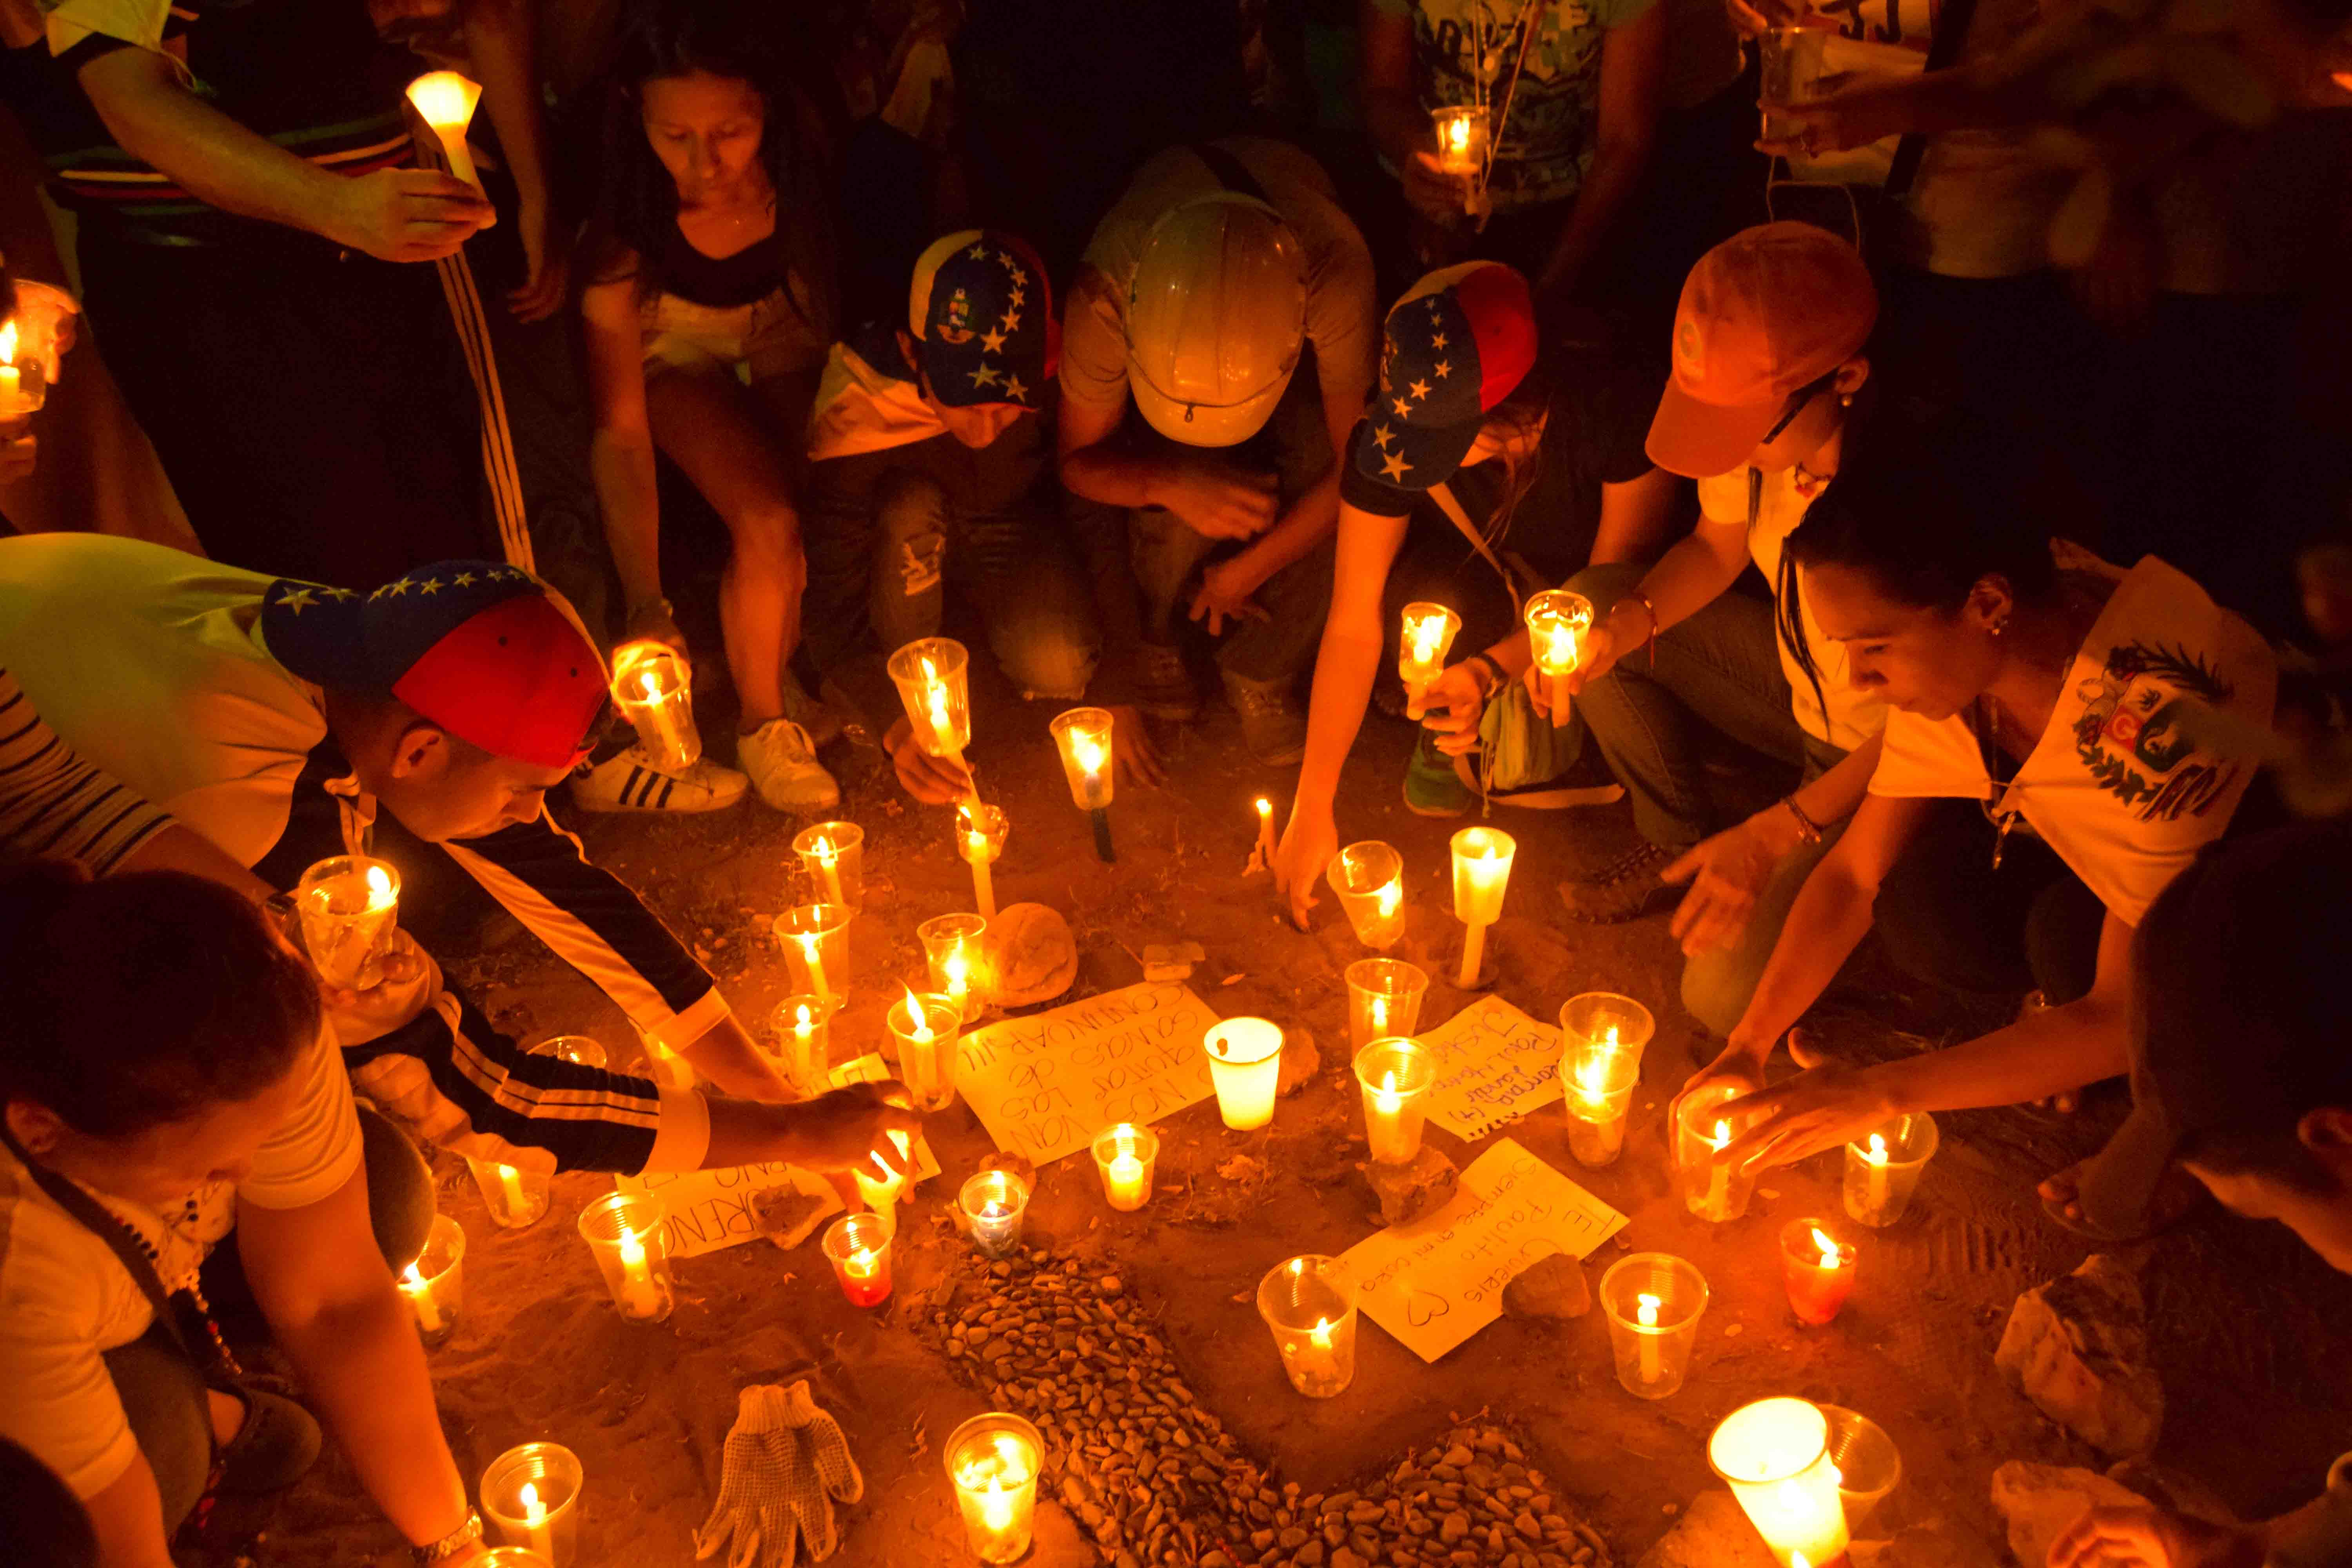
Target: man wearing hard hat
1222, 266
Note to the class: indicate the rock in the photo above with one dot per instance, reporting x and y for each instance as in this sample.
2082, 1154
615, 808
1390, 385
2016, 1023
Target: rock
2040, 1501
1300, 1062
1418, 1186
2077, 1347
1032, 956
1170, 960
786, 1216
1712, 1534
1550, 1289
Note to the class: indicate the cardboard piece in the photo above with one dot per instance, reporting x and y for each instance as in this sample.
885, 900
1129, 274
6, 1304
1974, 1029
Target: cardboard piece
1437, 1281
704, 1211
1495, 1064
1044, 1085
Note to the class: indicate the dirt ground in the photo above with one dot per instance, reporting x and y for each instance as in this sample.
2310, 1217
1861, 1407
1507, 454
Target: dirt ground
2251, 1332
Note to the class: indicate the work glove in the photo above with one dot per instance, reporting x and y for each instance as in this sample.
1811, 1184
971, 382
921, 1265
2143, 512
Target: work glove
785, 1463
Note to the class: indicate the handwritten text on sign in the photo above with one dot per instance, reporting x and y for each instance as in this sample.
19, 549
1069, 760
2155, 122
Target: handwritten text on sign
1495, 1064
1043, 1085
1434, 1283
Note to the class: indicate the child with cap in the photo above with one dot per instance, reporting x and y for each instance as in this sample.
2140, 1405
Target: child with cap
928, 466
286, 722
1769, 358
1212, 461
710, 302
1537, 454
2239, 1073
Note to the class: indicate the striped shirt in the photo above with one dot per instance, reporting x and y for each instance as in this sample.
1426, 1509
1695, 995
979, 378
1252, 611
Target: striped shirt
56, 807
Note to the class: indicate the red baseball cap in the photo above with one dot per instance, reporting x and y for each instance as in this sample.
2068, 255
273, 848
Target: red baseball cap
1770, 309
485, 650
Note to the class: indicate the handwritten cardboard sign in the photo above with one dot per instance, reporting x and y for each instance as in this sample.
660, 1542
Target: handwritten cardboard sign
1044, 1085
1434, 1283
1495, 1064
705, 1210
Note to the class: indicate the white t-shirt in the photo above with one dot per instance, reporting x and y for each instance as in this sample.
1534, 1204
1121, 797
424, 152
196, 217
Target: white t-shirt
1852, 715
66, 1297
2124, 785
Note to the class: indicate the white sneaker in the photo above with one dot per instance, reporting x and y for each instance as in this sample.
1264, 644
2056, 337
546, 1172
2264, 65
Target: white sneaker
781, 762
630, 782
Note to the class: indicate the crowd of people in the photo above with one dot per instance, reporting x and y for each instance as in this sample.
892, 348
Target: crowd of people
1963, 469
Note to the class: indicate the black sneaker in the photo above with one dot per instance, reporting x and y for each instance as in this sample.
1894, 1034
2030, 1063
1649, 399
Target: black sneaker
1624, 890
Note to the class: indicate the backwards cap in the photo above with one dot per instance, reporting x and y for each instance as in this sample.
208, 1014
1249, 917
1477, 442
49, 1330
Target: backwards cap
1459, 343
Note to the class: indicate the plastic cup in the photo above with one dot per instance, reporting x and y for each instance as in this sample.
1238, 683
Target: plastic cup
981, 832
992, 1462
1712, 1191
956, 949
531, 1499
994, 1203
1125, 1155
833, 854
625, 1231
1245, 1068
1461, 132
1309, 1304
1869, 1467
515, 1196
1654, 1301
815, 939
1883, 1168
1367, 879
932, 676
926, 1025
434, 1286
1558, 622
577, 1049
1775, 1455
1083, 737
1384, 996
1428, 629
653, 689
1790, 61
1819, 1278
858, 1247
1395, 1077
803, 1042
349, 907
1602, 1036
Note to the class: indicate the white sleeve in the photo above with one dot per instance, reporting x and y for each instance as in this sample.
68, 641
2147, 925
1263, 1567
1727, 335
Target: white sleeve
315, 1151
61, 1406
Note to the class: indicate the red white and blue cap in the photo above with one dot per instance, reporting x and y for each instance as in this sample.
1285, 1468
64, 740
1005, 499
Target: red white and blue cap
1459, 343
981, 315
487, 651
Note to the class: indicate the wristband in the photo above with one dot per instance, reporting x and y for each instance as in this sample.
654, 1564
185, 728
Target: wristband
1493, 670
1805, 825
1644, 600
451, 1545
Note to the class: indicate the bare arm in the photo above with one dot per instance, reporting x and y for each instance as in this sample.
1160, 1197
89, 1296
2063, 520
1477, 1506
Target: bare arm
399, 214
621, 451
1393, 111
182, 848
725, 1055
128, 1517
1633, 60
501, 38
1685, 580
330, 1300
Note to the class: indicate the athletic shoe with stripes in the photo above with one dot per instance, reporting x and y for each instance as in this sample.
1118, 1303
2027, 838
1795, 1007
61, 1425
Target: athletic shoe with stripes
630, 782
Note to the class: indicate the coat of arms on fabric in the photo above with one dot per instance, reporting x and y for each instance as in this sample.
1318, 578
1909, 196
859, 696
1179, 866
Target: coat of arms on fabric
2137, 734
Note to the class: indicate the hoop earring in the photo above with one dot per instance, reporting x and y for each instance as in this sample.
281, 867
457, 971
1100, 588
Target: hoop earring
2000, 625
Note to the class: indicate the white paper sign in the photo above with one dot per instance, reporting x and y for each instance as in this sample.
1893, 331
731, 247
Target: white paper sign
1434, 1283
703, 1211
1043, 1085
1495, 1064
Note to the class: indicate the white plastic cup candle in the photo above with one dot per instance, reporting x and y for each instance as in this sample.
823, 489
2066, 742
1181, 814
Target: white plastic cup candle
994, 1203
955, 947
1789, 61
1712, 1189
1125, 1154
932, 675
1395, 1076
446, 101
24, 376
1384, 999
1245, 1067
858, 1247
815, 939
1083, 736
1868, 1465
653, 689
1654, 1302
1461, 130
1817, 1268
434, 1286
578, 1049
1883, 1168
1427, 635
531, 1499
926, 1025
348, 906
992, 1462
833, 855
1309, 1304
1369, 880
1482, 870
803, 1042
1556, 622
626, 1232
1602, 1035
515, 1196
1775, 1454
980, 831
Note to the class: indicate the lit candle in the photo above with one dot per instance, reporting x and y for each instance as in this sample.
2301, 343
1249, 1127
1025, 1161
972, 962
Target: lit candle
624, 1232
994, 1203
1395, 1076
514, 1198
980, 839
1883, 1171
1461, 138
1647, 1317
930, 675
1125, 1153
640, 1297
446, 100
926, 1028
418, 1289
801, 1025
1775, 1454
653, 689
818, 936
1245, 1067
1603, 1035
348, 906
1083, 736
828, 860
1368, 879
1262, 850
953, 946
992, 1461
1557, 622
858, 1246
530, 1498
1873, 1159
1309, 1305
1654, 1302
16, 401
1818, 1270
511, 1186
1482, 870
534, 1520
881, 1192
1429, 632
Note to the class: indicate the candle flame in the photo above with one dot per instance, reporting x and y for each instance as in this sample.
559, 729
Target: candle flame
412, 1279
1646, 1312
651, 687
958, 973
444, 98
918, 1022
1390, 894
802, 1023
8, 342
1430, 629
1379, 1011
1832, 1255
1722, 1136
1088, 750
824, 851
1264, 809
1877, 1152
1796, 1559
379, 886
1319, 1336
1592, 1076
534, 1512
1386, 1097
632, 1251
1457, 133
862, 1264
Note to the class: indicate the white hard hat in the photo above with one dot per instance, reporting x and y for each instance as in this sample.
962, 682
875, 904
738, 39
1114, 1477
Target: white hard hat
1216, 313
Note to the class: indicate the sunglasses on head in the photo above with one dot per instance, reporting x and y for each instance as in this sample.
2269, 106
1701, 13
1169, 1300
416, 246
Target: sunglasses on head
1798, 401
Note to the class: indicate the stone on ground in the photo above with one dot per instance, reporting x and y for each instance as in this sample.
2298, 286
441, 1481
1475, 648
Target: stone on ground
1551, 1289
2040, 1501
1300, 1062
1034, 958
2077, 1347
1413, 1189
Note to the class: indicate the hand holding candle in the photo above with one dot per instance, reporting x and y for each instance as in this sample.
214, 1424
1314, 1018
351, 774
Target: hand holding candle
1712, 1189
348, 906
1556, 622
1482, 870
446, 101
932, 675
1461, 134
1429, 632
1083, 735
